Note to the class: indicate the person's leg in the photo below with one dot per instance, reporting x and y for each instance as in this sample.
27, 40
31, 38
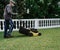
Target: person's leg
10, 27
6, 28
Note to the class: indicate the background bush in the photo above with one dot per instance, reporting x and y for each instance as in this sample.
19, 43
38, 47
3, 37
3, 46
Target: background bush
37, 8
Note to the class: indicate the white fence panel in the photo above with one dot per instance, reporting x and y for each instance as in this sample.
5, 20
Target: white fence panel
32, 23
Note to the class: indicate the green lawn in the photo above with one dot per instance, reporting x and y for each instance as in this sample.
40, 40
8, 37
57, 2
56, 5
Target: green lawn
49, 40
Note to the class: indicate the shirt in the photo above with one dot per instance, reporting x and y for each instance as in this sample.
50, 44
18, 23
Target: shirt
7, 12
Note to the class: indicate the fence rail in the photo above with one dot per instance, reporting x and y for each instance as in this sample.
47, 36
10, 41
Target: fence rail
32, 23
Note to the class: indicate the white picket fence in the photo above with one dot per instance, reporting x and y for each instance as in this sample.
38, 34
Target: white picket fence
33, 23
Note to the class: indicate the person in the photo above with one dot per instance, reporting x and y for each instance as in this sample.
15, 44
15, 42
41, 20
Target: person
8, 24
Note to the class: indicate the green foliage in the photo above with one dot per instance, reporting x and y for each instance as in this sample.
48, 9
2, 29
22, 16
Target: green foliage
37, 8
2, 6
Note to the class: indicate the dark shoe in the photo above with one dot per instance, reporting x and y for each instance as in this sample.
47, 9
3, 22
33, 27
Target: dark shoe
8, 36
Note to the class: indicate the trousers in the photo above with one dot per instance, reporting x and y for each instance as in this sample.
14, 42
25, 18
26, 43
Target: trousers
8, 27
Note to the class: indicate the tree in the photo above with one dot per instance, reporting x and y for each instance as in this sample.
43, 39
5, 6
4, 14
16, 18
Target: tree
2, 6
33, 8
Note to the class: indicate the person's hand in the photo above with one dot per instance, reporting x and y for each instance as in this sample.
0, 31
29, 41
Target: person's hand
16, 13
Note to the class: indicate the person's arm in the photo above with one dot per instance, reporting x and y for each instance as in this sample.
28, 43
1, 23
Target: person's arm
9, 10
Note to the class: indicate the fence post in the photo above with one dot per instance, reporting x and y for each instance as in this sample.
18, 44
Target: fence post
36, 23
